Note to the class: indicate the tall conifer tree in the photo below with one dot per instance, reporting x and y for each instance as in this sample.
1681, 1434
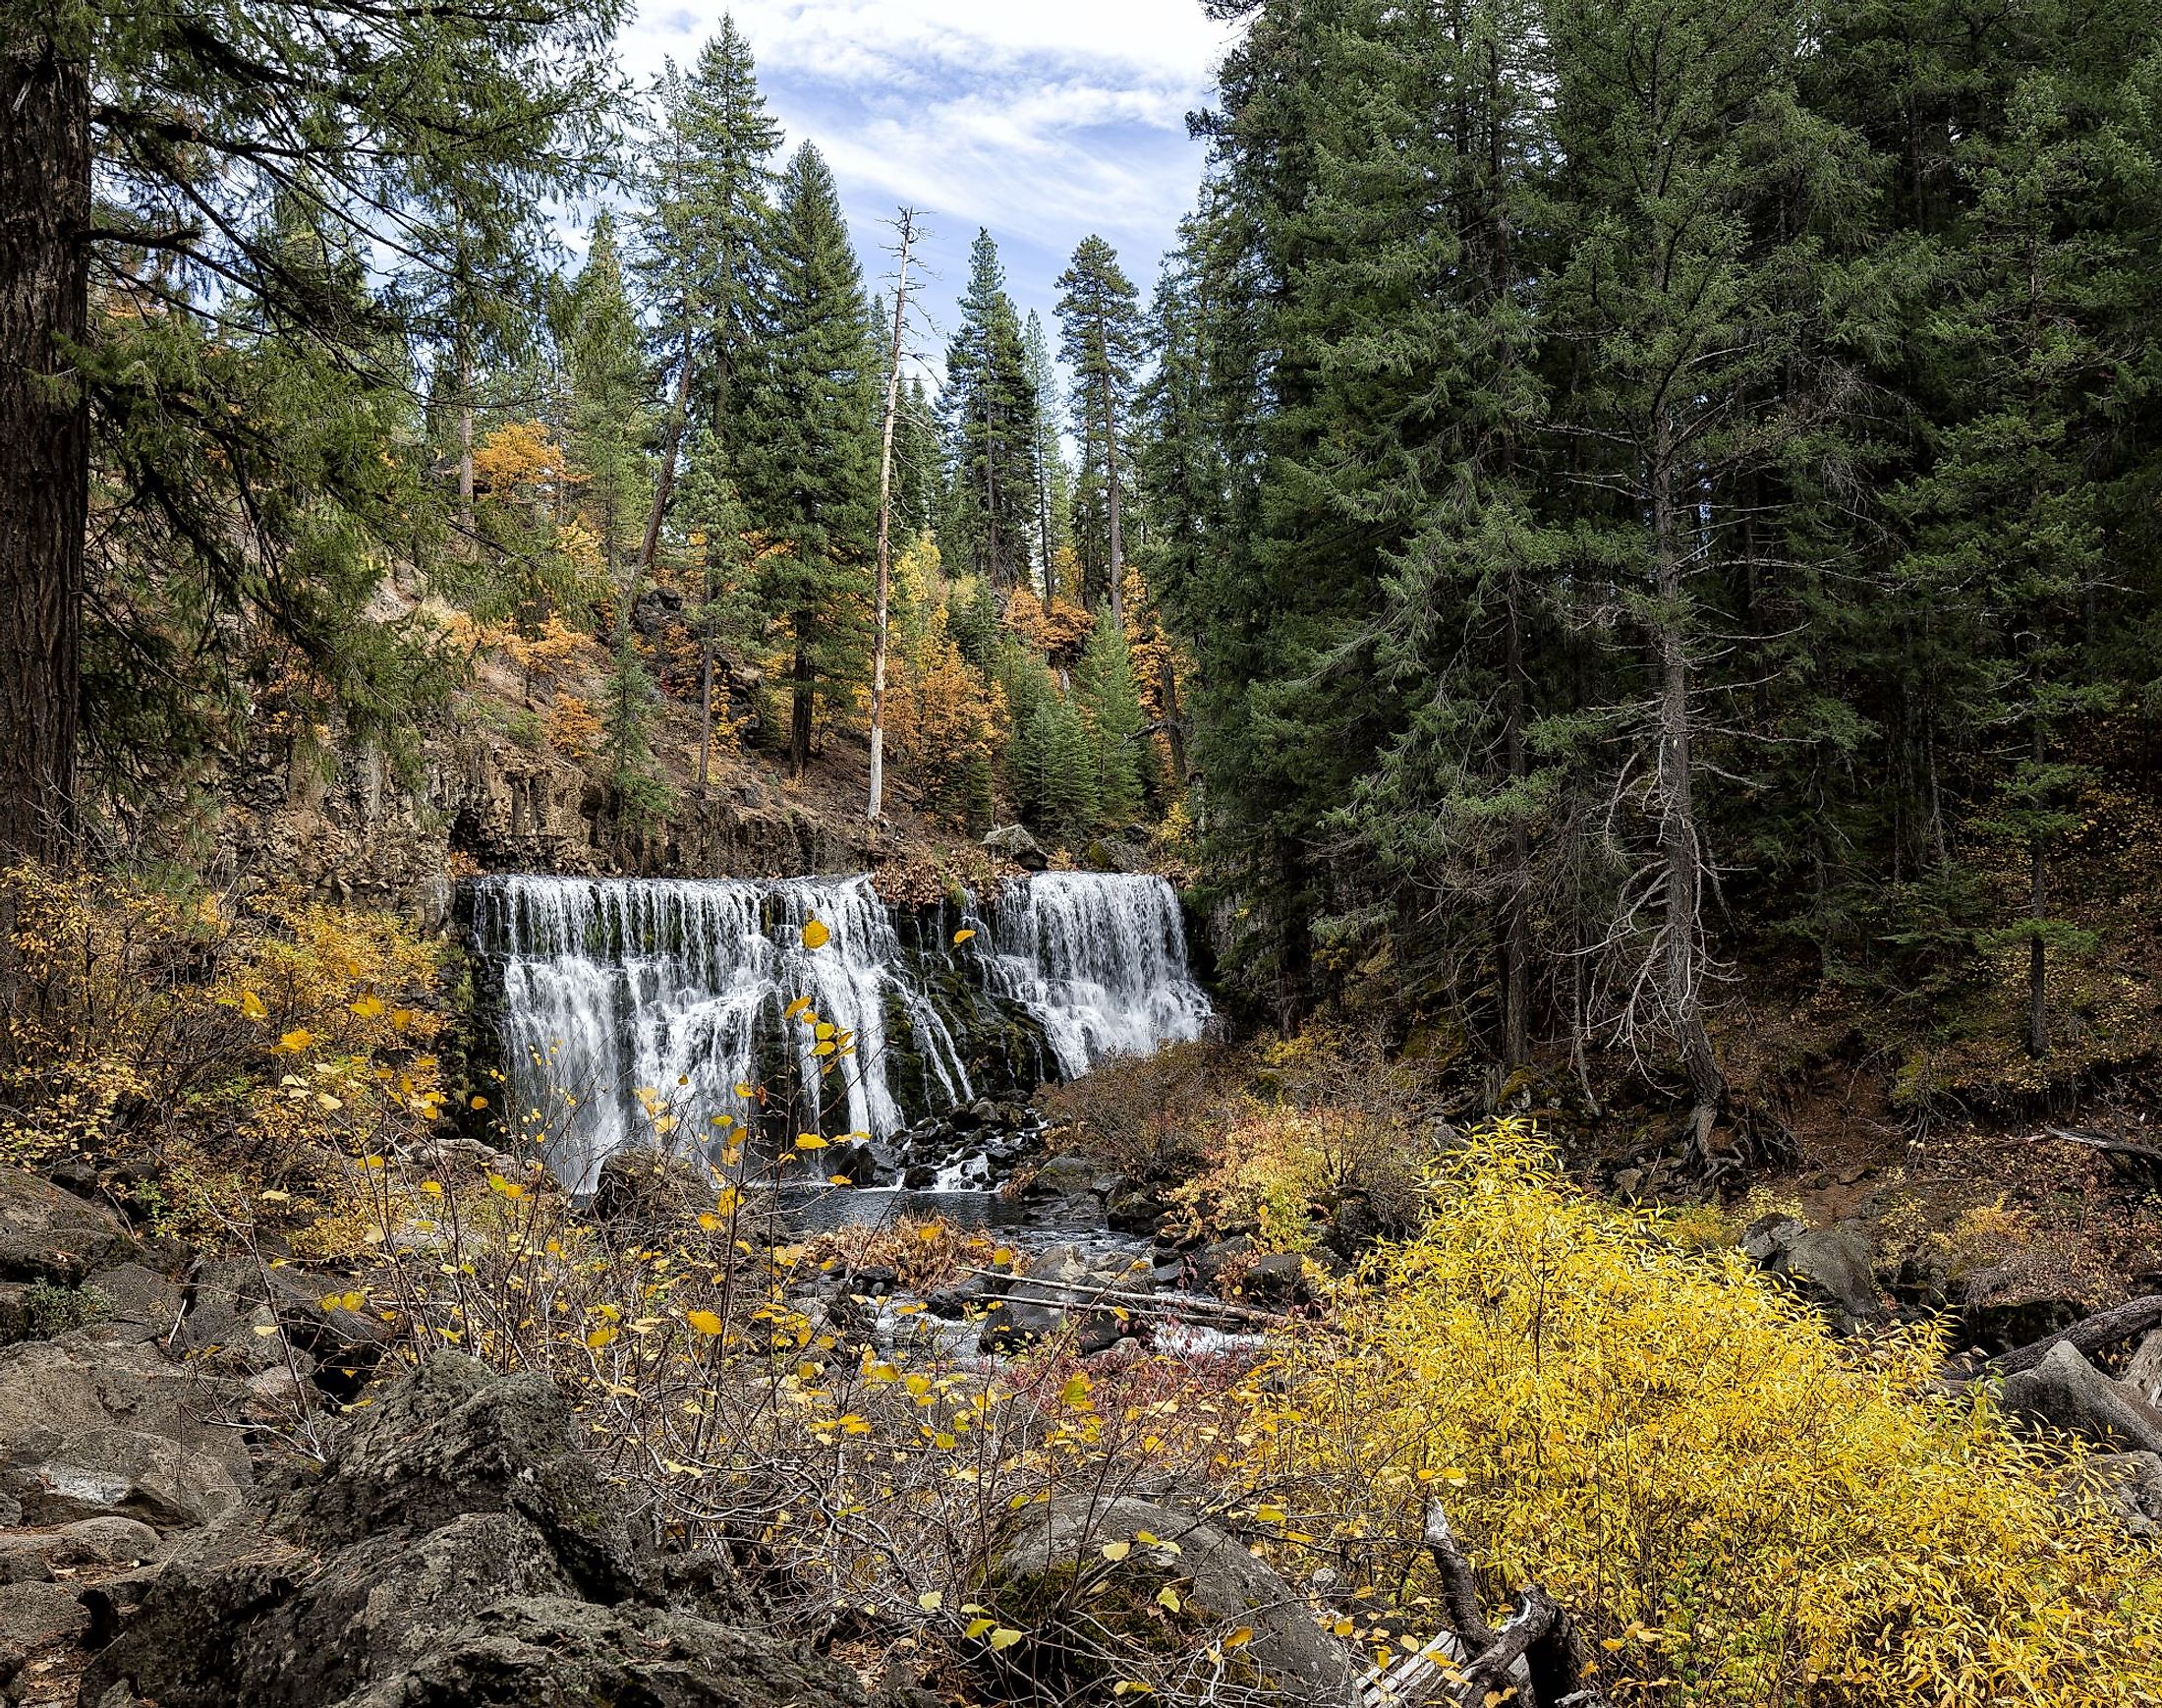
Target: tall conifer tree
809, 465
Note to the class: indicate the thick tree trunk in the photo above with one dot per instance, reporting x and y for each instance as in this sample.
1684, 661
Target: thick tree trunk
44, 440
802, 704
2037, 1038
465, 440
1680, 854
705, 705
1111, 498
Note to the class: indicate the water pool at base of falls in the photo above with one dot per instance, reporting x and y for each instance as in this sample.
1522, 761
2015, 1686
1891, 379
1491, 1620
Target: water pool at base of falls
615, 998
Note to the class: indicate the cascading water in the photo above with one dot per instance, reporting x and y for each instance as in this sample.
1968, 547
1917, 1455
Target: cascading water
682, 990
1101, 962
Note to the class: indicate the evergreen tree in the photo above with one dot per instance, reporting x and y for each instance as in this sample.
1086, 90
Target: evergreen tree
809, 468
1052, 526
1100, 319
715, 536
608, 402
1118, 760
990, 414
732, 140
376, 153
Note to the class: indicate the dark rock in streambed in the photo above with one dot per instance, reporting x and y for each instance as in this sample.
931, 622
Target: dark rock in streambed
1064, 1178
1066, 1292
455, 1551
857, 1164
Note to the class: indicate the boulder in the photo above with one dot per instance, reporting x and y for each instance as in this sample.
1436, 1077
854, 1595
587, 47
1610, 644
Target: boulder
2144, 1374
2126, 1486
53, 1393
1276, 1277
142, 1305
37, 1616
2067, 1392
48, 1234
27, 1555
1058, 1295
1065, 1177
1221, 1257
1013, 842
118, 1473
644, 1188
1220, 1584
1832, 1268
455, 1550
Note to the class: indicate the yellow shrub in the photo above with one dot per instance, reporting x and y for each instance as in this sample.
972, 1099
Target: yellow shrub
1744, 1510
228, 1041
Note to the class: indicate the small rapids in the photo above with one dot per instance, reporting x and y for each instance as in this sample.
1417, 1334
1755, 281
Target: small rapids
682, 989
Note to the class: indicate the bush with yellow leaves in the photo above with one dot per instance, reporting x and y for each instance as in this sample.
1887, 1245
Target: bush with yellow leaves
1745, 1510
229, 1044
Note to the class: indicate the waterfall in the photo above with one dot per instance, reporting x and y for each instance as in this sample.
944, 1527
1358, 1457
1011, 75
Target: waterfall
682, 990
1100, 961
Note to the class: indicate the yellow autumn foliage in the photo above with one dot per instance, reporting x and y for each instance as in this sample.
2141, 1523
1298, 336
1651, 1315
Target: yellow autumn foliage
1743, 1509
227, 1038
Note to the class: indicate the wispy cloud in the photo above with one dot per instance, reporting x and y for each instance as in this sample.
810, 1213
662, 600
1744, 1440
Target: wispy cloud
1042, 121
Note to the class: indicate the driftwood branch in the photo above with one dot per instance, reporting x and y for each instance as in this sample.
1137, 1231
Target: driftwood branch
1537, 1636
1460, 1589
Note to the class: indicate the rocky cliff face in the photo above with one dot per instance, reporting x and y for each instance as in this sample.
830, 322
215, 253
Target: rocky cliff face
347, 824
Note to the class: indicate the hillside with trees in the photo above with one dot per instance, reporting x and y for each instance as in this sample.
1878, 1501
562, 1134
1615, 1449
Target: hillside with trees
1492, 845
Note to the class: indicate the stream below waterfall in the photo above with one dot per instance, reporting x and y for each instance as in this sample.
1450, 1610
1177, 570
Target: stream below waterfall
641, 1012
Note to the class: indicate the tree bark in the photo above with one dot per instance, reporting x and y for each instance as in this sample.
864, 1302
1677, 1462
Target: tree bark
671, 448
2037, 1037
1515, 932
1111, 499
44, 440
803, 704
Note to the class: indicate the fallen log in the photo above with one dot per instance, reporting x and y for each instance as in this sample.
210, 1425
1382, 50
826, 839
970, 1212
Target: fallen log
1150, 1304
2131, 1161
2089, 1336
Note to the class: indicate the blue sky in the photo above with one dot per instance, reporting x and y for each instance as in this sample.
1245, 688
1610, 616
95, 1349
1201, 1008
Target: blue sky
1041, 122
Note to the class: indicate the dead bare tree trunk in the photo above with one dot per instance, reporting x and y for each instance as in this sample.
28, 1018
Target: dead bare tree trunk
876, 804
1680, 855
1537, 1638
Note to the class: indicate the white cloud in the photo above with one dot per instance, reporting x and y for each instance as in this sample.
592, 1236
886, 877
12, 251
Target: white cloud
1042, 122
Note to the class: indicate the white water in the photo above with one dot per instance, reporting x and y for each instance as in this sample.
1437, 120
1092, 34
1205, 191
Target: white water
1101, 961
676, 988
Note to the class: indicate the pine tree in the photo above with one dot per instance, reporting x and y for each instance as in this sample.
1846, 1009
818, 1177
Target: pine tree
715, 535
809, 467
1099, 319
1119, 761
445, 116
1053, 522
990, 414
732, 140
608, 403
